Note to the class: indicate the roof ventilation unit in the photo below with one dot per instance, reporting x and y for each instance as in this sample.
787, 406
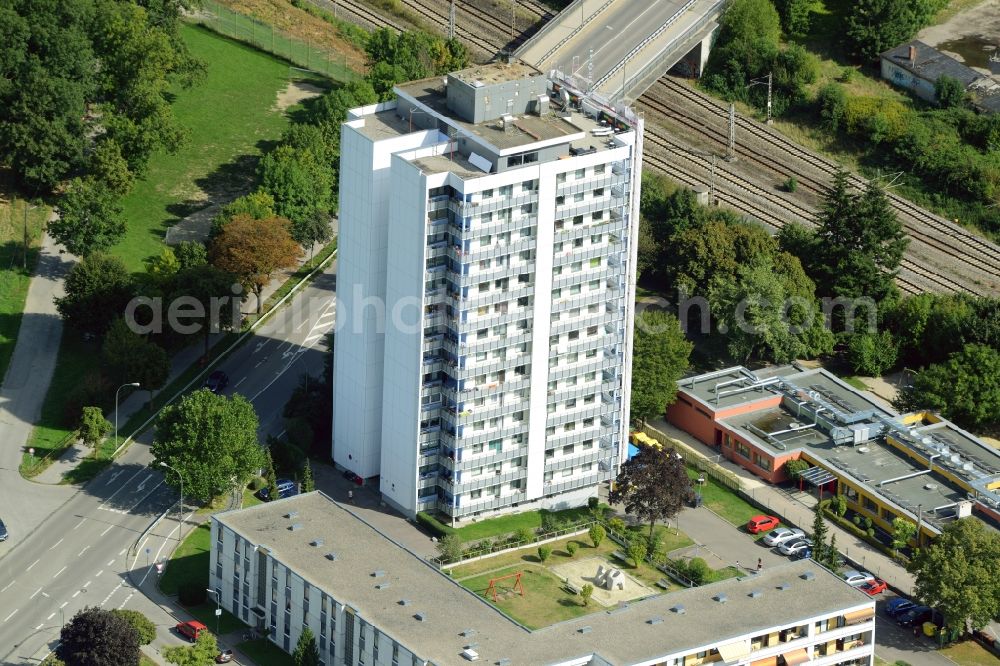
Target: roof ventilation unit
679, 609
785, 586
332, 557
584, 630
930, 486
470, 654
404, 602
468, 632
419, 617
316, 543
378, 573
721, 597
655, 620
755, 594
503, 661
295, 527
808, 575
292, 514
382, 586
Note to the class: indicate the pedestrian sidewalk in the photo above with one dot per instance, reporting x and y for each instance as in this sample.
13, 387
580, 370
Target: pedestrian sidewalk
140, 399
798, 509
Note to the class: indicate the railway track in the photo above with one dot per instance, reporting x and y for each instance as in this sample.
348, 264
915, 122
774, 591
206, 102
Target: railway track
772, 209
938, 234
360, 11
915, 276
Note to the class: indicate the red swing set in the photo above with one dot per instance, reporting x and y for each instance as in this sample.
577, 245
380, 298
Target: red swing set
517, 587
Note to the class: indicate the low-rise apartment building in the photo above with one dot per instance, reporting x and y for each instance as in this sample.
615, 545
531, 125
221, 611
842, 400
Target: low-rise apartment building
308, 561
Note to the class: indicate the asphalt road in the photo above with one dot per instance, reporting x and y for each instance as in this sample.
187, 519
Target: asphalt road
612, 35
76, 557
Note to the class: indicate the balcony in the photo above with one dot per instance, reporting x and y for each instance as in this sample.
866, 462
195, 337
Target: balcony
488, 479
468, 507
493, 204
474, 460
470, 438
551, 487
570, 255
513, 246
583, 457
592, 182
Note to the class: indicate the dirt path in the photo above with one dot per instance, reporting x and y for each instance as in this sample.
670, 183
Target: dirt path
983, 20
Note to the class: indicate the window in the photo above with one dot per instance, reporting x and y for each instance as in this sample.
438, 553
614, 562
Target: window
595, 262
743, 449
596, 239
476, 494
556, 293
869, 505
560, 178
573, 335
599, 168
560, 200
577, 242
599, 192
567, 472
580, 173
578, 197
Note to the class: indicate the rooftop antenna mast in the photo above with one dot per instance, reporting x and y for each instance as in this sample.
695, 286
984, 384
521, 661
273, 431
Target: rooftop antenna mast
451, 21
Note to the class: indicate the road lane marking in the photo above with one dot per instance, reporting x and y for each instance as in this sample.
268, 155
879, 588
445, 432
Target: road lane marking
39, 626
142, 484
56, 544
59, 572
80, 523
111, 562
85, 549
50, 615
45, 595
10, 616
240, 382
122, 552
110, 527
75, 594
87, 584
114, 476
122, 487
297, 328
98, 573
6, 586
144, 497
35, 593
127, 599
259, 363
32, 564
64, 604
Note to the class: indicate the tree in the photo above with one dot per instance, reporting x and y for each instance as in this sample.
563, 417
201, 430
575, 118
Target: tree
544, 552
860, 242
190, 254
450, 548
306, 652
586, 592
956, 573
965, 388
202, 652
215, 292
872, 354
96, 637
90, 218
258, 205
143, 626
659, 358
211, 440
949, 91
132, 358
308, 485
795, 16
111, 169
819, 531
875, 26
270, 477
311, 230
93, 427
636, 550
97, 290
254, 250
163, 266
302, 185
652, 485
833, 555
796, 467
571, 548
902, 531
597, 534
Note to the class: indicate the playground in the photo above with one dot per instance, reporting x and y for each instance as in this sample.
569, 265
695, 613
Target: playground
549, 592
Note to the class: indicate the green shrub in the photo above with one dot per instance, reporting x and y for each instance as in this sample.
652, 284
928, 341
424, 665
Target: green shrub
698, 571
597, 534
617, 525
142, 624
791, 184
593, 503
544, 552
191, 594
436, 527
525, 535
637, 551
257, 483
571, 548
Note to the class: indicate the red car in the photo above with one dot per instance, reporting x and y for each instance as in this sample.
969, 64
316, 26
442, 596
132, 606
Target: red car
762, 523
190, 630
873, 587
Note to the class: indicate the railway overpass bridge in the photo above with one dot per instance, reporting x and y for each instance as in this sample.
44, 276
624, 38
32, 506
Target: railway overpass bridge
618, 48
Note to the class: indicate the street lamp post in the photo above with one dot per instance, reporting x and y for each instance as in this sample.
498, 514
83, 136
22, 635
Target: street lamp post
180, 533
132, 384
218, 608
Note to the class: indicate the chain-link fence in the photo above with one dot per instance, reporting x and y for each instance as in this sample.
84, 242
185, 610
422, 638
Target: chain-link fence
253, 31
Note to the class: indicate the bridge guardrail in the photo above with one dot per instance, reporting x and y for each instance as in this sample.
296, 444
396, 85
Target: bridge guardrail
552, 24
640, 45
693, 28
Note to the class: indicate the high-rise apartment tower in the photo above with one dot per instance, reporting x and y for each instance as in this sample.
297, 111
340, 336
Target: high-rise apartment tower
486, 282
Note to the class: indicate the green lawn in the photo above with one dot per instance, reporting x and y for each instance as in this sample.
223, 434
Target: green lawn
544, 601
508, 524
205, 613
229, 118
856, 383
725, 502
970, 653
14, 273
249, 499
265, 653
190, 562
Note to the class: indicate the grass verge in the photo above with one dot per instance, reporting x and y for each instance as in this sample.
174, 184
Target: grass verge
969, 653
262, 651
724, 502
503, 525
189, 563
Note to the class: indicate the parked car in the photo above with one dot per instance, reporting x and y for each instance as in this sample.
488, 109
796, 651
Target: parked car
190, 630
217, 382
916, 615
898, 606
286, 488
224, 657
795, 547
3, 531
762, 523
781, 535
874, 587
854, 578
353, 478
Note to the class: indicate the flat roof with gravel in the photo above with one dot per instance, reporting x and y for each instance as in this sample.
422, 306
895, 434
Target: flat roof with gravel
789, 594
